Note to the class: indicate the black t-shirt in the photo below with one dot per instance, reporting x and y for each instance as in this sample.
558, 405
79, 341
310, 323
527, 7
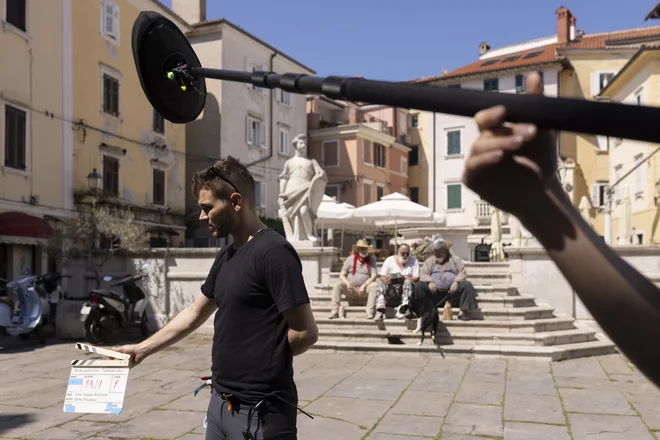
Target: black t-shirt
252, 286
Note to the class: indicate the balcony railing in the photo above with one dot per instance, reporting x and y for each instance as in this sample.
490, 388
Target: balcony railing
484, 213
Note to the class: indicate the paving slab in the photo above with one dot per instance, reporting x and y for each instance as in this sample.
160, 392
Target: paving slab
533, 408
607, 427
165, 424
423, 403
528, 431
356, 411
595, 401
474, 419
405, 424
480, 392
377, 389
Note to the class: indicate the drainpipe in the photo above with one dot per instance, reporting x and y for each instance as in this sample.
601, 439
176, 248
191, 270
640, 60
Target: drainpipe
270, 122
434, 161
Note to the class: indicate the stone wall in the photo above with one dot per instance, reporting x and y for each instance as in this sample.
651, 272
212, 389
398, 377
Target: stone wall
534, 273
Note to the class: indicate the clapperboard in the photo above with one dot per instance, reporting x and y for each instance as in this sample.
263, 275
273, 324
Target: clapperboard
97, 385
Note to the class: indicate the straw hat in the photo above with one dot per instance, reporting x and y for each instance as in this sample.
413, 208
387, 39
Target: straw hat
362, 243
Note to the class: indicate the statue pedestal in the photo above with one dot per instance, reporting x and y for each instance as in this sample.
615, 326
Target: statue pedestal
314, 260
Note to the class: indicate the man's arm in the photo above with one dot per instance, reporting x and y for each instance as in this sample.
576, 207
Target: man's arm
283, 275
459, 266
183, 324
303, 331
415, 272
344, 272
624, 302
425, 271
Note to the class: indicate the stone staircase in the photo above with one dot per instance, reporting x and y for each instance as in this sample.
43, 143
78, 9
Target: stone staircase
507, 325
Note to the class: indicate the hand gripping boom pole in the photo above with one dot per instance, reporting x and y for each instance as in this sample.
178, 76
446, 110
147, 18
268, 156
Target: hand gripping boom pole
173, 80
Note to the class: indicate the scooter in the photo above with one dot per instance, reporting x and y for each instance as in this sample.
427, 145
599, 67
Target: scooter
29, 318
107, 311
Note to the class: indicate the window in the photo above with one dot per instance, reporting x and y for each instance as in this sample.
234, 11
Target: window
366, 152
157, 122
402, 123
283, 96
414, 194
453, 142
157, 242
520, 84
17, 14
542, 80
255, 134
413, 121
260, 194
333, 190
110, 94
533, 54
404, 165
454, 196
380, 192
284, 141
510, 59
15, 138
598, 194
110, 20
602, 143
379, 155
413, 155
640, 237
158, 186
490, 62
330, 152
251, 66
600, 80
491, 85
638, 97
639, 175
617, 176
111, 175
366, 193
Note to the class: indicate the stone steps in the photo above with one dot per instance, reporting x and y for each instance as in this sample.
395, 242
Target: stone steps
497, 290
486, 313
554, 353
485, 300
459, 337
497, 326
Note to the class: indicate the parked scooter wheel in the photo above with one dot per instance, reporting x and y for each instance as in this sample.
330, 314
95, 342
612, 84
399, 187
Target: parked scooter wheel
144, 325
94, 333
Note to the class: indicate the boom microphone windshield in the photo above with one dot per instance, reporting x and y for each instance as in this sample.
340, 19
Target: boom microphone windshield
173, 80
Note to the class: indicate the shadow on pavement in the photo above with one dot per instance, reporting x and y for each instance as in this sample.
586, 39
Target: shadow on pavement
13, 421
15, 345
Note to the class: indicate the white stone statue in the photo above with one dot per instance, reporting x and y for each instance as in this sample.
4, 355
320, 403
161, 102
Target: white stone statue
302, 185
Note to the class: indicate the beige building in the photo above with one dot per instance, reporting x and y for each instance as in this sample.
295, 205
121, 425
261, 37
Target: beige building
140, 156
637, 83
35, 163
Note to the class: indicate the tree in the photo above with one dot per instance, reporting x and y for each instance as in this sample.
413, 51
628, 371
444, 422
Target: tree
96, 235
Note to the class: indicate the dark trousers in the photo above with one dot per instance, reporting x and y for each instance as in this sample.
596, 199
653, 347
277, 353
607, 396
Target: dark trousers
272, 420
465, 297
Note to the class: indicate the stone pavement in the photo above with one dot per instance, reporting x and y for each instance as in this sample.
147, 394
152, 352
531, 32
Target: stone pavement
352, 396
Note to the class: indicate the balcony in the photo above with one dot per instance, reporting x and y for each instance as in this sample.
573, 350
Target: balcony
484, 214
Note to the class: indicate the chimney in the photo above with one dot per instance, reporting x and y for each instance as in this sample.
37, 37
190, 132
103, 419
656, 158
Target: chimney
565, 23
192, 11
483, 48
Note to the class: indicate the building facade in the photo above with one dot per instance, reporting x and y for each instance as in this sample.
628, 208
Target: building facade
635, 84
35, 160
115, 131
255, 125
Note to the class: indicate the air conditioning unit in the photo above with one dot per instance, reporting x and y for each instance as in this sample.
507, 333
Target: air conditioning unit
404, 139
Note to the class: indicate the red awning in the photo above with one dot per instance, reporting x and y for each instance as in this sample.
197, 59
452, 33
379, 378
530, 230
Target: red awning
19, 224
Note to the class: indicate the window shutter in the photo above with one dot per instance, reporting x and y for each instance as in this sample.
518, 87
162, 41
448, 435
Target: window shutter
248, 130
602, 143
595, 83
595, 194
115, 20
263, 133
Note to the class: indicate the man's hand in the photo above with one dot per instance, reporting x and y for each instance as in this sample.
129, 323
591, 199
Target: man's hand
349, 287
432, 287
453, 287
138, 354
362, 290
509, 166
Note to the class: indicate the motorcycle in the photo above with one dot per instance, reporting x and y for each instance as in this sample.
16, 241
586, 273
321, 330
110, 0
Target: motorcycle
33, 310
107, 311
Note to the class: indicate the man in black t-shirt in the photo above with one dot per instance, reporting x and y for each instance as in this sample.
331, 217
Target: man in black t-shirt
262, 311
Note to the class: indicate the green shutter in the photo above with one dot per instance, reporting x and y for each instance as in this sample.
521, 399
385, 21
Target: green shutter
454, 196
519, 84
453, 142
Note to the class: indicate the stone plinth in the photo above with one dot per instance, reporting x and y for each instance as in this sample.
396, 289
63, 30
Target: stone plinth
315, 260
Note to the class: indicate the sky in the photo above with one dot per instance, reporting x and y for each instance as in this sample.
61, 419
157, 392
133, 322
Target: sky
403, 40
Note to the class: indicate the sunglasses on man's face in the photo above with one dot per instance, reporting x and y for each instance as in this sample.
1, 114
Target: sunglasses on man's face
404, 254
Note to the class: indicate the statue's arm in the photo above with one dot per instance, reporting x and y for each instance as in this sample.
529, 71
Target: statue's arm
317, 168
284, 177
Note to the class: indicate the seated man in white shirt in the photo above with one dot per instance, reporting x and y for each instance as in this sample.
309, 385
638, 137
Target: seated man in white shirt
397, 280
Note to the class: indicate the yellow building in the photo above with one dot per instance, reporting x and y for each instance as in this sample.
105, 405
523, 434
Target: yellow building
140, 156
33, 161
595, 59
637, 83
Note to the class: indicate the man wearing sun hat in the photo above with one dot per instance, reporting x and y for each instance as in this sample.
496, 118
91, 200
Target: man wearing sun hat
444, 274
356, 280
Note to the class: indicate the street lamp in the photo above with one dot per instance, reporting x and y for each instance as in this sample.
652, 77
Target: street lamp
94, 180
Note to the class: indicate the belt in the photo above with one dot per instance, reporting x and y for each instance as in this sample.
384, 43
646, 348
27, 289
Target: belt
231, 398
